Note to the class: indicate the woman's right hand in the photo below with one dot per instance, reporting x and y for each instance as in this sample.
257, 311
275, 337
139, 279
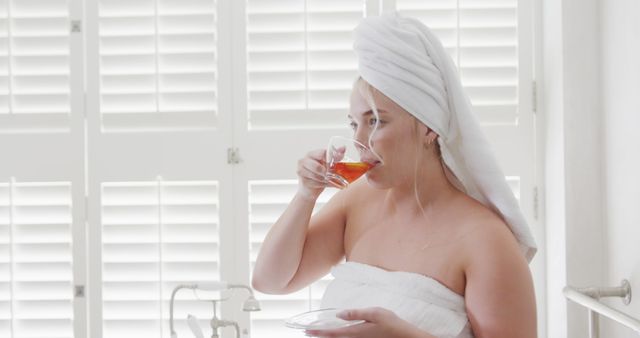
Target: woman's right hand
311, 174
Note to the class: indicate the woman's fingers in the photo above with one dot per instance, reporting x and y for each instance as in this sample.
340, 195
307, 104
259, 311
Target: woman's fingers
314, 171
359, 330
379, 323
373, 314
313, 166
338, 153
311, 173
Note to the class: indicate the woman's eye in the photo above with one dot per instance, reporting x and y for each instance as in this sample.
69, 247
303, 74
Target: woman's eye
373, 121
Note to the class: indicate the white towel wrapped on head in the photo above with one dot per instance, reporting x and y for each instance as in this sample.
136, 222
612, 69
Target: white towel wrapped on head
404, 60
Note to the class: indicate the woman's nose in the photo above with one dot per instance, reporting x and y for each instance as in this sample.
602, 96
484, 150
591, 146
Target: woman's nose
361, 135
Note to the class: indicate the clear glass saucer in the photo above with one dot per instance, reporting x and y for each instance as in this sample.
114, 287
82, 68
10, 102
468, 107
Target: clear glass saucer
319, 320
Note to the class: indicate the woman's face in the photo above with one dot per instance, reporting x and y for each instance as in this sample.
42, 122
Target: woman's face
394, 140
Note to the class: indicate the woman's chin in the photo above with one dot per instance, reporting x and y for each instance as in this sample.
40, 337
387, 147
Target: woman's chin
374, 180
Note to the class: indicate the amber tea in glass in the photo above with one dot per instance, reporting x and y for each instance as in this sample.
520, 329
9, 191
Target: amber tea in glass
344, 164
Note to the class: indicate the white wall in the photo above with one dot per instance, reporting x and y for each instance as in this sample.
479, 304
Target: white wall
589, 69
574, 185
583, 152
621, 139
549, 64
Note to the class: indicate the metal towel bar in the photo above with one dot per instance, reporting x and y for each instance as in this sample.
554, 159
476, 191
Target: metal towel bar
590, 298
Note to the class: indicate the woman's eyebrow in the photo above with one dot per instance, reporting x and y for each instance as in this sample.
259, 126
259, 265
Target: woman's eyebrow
368, 112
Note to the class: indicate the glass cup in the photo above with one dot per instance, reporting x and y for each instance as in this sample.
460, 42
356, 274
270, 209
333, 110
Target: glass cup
344, 161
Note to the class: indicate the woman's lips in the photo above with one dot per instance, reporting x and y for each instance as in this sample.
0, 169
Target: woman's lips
373, 163
371, 159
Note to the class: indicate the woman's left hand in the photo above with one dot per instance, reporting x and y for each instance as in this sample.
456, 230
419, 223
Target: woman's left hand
379, 323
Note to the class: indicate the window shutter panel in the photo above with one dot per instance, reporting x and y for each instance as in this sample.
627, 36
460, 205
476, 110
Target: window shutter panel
155, 79
482, 37
36, 279
34, 65
156, 235
158, 64
300, 62
267, 201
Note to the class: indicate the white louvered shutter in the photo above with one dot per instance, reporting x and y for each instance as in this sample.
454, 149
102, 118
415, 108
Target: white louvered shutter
300, 62
155, 236
34, 65
154, 111
41, 177
482, 38
36, 278
158, 64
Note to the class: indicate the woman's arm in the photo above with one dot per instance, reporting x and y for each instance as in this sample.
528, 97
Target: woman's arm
299, 248
499, 292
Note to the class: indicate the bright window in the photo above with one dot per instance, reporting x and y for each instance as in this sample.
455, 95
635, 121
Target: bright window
150, 143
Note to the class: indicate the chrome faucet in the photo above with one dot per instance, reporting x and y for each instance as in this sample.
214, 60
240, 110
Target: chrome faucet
217, 323
249, 305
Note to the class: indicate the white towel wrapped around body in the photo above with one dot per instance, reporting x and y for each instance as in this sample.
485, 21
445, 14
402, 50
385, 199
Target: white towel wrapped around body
420, 300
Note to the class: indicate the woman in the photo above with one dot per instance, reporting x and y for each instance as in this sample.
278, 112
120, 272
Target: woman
434, 241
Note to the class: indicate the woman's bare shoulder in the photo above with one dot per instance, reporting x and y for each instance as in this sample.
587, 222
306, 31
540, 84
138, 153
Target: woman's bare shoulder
487, 235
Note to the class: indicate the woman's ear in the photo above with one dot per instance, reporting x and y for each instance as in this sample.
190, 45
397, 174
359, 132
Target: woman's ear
429, 137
